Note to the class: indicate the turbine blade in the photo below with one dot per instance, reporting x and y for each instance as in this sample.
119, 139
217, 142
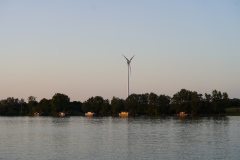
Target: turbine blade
126, 58
131, 58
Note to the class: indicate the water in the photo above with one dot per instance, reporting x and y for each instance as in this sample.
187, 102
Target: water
108, 138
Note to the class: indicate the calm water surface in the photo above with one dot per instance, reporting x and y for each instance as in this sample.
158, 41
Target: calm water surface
33, 138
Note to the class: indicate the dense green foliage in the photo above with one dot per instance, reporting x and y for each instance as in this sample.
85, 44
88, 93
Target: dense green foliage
117, 105
151, 104
97, 105
195, 104
59, 103
12, 106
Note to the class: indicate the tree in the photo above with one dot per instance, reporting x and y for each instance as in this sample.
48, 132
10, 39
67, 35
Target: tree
3, 107
235, 102
195, 103
87, 105
226, 101
143, 104
32, 103
59, 102
164, 104
10, 107
180, 101
96, 105
153, 104
44, 106
105, 107
31, 98
117, 105
23, 107
132, 104
75, 107
217, 105
207, 104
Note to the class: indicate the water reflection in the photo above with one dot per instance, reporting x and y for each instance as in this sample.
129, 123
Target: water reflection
119, 138
60, 121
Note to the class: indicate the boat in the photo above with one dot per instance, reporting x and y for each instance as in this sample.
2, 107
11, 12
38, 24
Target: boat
89, 114
63, 114
37, 113
182, 114
123, 114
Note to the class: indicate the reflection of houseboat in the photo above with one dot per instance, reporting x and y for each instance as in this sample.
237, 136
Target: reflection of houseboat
90, 114
123, 114
37, 113
182, 114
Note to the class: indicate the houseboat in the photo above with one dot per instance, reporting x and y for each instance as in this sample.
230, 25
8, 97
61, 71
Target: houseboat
63, 114
89, 114
182, 114
37, 113
123, 114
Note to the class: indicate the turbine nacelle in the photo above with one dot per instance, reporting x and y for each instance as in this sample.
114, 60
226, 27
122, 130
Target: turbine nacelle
129, 62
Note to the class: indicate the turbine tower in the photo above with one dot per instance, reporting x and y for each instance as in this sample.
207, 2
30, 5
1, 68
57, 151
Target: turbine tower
129, 67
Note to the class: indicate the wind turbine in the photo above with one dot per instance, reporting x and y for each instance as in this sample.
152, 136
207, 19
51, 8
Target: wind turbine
129, 67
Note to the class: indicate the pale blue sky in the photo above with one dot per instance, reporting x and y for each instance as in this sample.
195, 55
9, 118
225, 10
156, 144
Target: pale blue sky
76, 47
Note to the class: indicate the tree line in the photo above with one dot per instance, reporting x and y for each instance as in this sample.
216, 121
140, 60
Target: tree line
149, 104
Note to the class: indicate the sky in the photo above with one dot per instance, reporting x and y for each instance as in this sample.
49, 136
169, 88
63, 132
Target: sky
75, 47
